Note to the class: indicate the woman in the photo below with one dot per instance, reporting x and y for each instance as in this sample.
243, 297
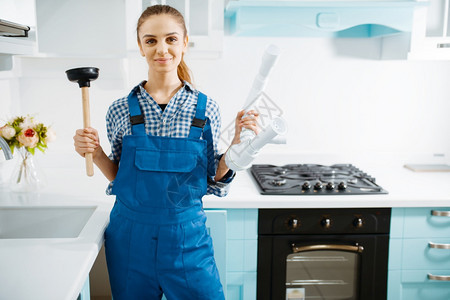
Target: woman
164, 134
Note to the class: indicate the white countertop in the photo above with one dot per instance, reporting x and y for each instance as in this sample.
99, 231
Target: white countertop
57, 268
406, 188
50, 268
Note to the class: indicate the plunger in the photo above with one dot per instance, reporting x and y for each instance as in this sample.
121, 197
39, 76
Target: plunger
84, 76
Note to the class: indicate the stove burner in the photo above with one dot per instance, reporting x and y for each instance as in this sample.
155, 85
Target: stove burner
312, 179
279, 182
279, 171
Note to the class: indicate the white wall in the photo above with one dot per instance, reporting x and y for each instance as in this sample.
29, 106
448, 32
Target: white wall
337, 96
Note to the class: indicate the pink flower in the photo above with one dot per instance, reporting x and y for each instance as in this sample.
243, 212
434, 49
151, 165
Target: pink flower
28, 138
7, 132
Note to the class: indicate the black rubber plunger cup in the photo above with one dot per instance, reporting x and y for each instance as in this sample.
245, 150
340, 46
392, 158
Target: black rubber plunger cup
84, 76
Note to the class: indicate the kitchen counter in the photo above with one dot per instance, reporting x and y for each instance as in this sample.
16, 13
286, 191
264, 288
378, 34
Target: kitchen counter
50, 268
57, 268
406, 188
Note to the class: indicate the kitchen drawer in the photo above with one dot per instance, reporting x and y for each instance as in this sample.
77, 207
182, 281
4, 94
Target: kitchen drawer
419, 222
415, 285
417, 254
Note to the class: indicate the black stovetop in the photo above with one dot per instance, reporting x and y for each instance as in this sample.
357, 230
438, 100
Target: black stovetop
312, 179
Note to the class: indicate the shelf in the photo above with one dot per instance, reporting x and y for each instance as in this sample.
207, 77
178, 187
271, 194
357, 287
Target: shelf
18, 45
354, 19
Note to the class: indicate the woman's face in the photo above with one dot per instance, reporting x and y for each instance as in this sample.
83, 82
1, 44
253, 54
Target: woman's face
162, 43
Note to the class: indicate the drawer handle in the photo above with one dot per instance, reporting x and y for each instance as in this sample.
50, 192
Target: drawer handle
443, 45
438, 277
438, 246
440, 213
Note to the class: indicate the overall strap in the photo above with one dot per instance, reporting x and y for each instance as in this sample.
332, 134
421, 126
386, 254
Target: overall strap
201, 124
207, 135
137, 118
199, 120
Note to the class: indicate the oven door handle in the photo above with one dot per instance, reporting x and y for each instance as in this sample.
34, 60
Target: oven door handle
350, 248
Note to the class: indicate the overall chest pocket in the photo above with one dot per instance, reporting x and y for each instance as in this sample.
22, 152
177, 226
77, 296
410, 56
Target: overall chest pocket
169, 178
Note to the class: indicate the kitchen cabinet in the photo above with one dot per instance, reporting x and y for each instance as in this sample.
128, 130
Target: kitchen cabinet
81, 28
413, 256
430, 36
20, 12
242, 249
204, 21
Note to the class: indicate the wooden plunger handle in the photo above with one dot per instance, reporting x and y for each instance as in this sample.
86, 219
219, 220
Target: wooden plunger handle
87, 123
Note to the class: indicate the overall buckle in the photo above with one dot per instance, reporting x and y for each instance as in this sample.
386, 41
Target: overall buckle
198, 123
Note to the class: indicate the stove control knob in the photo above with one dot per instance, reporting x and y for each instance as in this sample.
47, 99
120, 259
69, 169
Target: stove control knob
318, 185
330, 186
306, 185
293, 223
342, 186
358, 223
326, 223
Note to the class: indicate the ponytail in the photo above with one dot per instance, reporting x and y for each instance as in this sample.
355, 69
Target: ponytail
183, 71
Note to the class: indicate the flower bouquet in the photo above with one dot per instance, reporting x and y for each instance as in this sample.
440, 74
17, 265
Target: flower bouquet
27, 135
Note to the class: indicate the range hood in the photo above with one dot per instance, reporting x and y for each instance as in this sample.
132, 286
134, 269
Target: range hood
352, 19
11, 29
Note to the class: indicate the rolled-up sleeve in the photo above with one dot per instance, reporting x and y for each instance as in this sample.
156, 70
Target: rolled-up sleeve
116, 126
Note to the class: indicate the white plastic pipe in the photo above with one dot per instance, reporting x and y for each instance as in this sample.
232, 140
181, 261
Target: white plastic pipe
240, 156
268, 60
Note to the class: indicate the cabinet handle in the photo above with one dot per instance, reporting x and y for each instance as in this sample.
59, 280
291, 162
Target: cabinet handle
440, 213
438, 246
438, 277
443, 45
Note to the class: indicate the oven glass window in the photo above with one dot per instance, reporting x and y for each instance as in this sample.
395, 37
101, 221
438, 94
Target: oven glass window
322, 275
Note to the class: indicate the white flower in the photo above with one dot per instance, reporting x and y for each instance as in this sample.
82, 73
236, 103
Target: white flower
28, 122
28, 138
50, 135
7, 132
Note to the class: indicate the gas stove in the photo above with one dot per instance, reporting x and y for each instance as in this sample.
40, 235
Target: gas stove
313, 179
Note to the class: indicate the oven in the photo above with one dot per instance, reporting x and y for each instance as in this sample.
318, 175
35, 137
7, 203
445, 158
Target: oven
323, 254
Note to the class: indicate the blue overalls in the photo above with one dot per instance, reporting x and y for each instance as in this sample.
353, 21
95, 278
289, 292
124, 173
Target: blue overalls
157, 240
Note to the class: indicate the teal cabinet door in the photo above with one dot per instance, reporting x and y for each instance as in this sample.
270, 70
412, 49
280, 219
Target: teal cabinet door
419, 254
242, 251
216, 224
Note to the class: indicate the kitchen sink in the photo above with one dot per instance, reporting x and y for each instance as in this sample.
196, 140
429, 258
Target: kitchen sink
35, 222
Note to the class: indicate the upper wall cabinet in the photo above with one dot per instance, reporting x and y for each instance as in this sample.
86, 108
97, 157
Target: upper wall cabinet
17, 16
319, 18
81, 28
430, 37
203, 18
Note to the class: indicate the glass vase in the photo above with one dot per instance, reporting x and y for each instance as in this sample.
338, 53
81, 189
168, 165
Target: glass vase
27, 175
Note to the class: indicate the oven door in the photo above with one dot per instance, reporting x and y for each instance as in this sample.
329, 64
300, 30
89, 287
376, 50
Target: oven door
344, 267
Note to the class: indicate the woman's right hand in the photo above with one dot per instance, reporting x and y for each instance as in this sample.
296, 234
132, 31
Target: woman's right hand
87, 141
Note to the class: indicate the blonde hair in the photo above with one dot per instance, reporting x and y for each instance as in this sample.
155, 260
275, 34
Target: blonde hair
183, 72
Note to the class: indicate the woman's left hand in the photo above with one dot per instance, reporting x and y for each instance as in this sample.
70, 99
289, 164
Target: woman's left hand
250, 121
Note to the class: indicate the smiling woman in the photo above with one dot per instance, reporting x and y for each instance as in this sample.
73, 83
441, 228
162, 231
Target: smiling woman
164, 134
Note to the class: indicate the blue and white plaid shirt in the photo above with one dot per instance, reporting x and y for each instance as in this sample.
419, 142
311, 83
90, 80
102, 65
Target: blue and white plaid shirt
174, 121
